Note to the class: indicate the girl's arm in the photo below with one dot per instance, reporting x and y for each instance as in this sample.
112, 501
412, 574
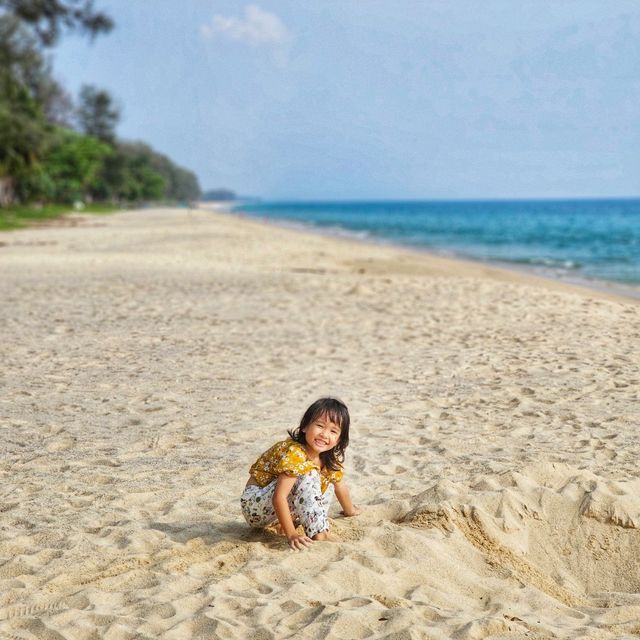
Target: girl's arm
284, 484
344, 498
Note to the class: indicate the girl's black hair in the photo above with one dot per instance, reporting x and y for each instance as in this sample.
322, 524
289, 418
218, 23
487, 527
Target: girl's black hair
336, 411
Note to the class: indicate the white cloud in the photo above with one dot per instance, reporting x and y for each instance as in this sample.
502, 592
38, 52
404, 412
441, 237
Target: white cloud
256, 28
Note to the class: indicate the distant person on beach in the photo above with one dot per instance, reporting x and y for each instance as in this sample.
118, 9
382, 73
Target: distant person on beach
293, 482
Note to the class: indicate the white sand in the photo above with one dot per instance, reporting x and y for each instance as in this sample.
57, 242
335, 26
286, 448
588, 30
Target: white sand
148, 358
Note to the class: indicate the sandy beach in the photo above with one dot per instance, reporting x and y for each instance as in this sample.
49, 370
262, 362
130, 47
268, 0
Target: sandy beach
150, 356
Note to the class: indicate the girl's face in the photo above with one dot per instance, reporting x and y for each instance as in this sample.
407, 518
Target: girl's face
321, 435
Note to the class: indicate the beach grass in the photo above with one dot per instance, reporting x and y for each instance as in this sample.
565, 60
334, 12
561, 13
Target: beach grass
23, 216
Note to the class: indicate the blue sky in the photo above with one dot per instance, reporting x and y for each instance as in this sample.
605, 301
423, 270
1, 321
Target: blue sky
367, 99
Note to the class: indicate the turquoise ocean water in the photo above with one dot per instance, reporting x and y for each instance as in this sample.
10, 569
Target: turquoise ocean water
579, 239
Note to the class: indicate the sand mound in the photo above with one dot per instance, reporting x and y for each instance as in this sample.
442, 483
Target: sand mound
567, 532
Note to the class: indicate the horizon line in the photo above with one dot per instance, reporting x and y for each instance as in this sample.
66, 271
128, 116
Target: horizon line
427, 199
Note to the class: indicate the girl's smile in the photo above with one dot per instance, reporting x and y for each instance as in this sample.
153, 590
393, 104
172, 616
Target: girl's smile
321, 435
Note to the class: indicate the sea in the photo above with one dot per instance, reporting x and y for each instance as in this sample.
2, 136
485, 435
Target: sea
582, 241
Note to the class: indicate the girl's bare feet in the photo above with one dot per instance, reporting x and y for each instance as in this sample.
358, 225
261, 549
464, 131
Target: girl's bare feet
326, 536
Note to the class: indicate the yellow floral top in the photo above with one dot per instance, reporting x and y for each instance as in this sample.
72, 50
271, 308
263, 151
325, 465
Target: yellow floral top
289, 457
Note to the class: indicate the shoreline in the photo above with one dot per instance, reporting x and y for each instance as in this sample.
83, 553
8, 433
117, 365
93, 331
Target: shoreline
609, 290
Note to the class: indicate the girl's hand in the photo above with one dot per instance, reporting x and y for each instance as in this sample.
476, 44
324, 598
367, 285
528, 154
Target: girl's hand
355, 511
298, 542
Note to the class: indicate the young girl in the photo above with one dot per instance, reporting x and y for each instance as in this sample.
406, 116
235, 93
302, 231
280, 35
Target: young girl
294, 480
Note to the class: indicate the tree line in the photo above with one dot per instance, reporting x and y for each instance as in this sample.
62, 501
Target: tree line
57, 149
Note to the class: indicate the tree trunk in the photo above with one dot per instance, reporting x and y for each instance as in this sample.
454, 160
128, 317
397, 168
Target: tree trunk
6, 191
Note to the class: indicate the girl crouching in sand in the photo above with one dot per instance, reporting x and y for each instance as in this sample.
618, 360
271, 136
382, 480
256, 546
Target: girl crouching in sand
293, 482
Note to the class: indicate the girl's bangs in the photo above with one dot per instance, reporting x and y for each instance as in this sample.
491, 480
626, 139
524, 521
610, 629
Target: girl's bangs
332, 414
